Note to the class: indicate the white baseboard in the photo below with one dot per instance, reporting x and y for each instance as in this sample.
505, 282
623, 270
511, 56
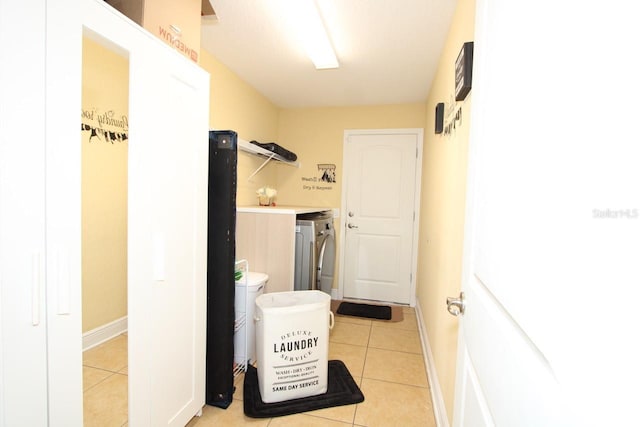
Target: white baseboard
439, 409
104, 333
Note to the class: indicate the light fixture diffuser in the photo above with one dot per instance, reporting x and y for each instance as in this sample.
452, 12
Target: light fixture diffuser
313, 34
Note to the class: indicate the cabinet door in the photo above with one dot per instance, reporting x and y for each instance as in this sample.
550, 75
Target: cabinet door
168, 154
268, 242
168, 137
23, 356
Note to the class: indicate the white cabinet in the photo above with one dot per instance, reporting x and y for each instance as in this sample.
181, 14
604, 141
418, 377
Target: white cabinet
267, 241
266, 237
23, 322
39, 326
40, 224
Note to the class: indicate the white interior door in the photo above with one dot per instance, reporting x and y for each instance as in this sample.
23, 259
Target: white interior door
168, 151
553, 221
380, 199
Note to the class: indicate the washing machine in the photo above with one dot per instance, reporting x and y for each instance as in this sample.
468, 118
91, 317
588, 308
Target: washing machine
315, 252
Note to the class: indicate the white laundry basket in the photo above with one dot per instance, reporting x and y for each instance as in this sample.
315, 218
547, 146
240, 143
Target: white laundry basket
247, 290
292, 337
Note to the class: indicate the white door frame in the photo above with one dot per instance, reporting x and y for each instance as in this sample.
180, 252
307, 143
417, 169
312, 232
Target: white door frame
416, 202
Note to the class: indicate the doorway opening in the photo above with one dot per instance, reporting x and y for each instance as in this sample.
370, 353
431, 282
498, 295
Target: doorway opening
104, 146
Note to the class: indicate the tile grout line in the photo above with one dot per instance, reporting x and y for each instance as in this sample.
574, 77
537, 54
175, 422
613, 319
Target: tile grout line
366, 352
397, 351
99, 382
397, 383
104, 369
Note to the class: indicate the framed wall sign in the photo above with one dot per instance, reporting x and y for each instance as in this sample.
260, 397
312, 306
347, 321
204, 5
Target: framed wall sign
464, 67
439, 117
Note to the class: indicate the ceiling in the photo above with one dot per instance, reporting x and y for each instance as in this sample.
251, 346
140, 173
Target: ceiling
388, 50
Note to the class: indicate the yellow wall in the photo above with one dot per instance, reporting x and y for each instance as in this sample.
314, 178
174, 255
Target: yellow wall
105, 95
237, 106
443, 203
316, 136
234, 105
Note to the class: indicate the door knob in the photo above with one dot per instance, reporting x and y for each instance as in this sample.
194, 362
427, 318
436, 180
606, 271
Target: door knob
352, 225
456, 305
350, 214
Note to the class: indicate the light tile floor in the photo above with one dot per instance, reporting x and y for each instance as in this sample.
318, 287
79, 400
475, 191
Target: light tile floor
105, 384
385, 359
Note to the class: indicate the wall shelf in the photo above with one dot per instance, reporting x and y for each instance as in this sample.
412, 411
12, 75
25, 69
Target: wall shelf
268, 155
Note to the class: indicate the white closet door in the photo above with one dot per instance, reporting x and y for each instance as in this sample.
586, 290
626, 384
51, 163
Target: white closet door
168, 115
168, 158
23, 356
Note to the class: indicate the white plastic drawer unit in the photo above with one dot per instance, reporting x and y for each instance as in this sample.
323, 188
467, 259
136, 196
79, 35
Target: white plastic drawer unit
248, 288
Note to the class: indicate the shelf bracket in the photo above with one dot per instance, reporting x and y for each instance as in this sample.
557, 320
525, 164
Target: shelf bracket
261, 166
261, 152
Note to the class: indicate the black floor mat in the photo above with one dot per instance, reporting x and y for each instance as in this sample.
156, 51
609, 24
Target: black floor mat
382, 312
341, 390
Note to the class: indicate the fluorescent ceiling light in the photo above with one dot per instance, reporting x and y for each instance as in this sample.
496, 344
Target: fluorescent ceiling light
312, 34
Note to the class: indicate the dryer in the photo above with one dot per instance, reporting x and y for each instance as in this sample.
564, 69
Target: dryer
315, 252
